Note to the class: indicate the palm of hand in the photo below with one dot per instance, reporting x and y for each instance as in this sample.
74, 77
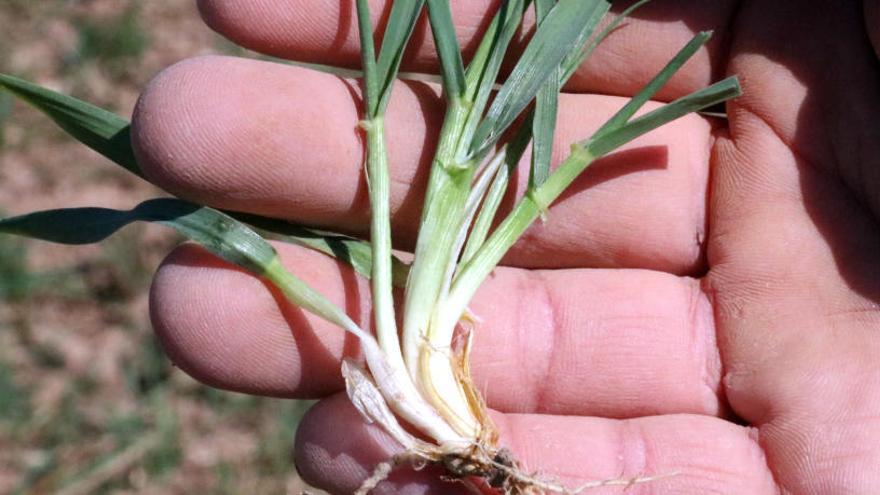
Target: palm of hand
777, 331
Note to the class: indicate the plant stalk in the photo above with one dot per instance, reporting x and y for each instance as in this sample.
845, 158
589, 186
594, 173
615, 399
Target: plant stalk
533, 205
378, 180
448, 189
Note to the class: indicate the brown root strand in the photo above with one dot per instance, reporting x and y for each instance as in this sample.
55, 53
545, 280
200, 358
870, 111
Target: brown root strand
380, 474
495, 469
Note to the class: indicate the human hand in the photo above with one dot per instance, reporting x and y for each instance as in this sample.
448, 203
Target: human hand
717, 300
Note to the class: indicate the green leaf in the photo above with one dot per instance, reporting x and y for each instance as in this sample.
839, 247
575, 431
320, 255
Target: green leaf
401, 22
514, 151
547, 99
542, 8
546, 110
555, 39
217, 232
544, 128
448, 50
636, 102
81, 120
577, 56
572, 63
5, 111
368, 57
99, 129
712, 95
483, 70
355, 252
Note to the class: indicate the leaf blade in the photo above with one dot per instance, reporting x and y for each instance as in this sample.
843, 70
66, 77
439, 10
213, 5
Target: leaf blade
355, 252
368, 57
349, 250
216, 231
657, 82
448, 49
99, 129
546, 110
554, 40
482, 72
572, 63
401, 23
706, 97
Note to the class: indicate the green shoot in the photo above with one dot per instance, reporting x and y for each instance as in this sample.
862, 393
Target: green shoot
217, 232
480, 230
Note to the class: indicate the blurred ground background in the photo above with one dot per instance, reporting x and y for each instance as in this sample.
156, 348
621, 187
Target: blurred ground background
88, 402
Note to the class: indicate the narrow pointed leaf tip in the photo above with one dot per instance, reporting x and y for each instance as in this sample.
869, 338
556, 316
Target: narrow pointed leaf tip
660, 80
557, 37
717, 93
107, 133
99, 129
217, 232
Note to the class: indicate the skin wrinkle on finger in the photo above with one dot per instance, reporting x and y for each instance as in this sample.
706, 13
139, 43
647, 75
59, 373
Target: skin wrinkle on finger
840, 137
614, 332
732, 461
709, 455
639, 329
283, 141
787, 282
705, 339
792, 245
325, 32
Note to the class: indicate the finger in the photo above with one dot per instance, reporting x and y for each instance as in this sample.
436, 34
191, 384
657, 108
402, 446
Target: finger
794, 247
615, 343
327, 33
283, 141
336, 451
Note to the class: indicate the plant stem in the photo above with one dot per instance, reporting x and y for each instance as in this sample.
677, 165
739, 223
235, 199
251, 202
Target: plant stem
448, 190
380, 238
513, 150
395, 385
533, 204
